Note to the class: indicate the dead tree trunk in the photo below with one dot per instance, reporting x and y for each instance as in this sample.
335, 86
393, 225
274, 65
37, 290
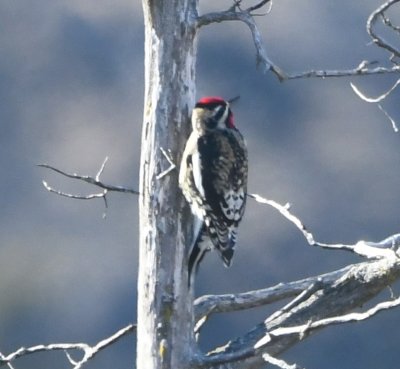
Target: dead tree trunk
165, 305
170, 47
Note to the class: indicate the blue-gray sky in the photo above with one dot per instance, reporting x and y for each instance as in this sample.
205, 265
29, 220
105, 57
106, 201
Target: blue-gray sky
71, 93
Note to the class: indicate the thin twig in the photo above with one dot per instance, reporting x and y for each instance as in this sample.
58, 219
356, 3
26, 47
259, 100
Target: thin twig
358, 71
88, 179
74, 196
171, 167
389, 23
91, 180
378, 99
279, 362
392, 121
103, 165
257, 6
378, 40
362, 96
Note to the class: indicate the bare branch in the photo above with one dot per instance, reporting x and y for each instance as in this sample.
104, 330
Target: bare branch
88, 351
88, 179
172, 165
363, 68
378, 40
394, 125
235, 13
362, 96
246, 17
378, 99
2, 357
72, 196
347, 318
92, 180
360, 70
389, 23
319, 307
284, 210
319, 302
303, 296
103, 165
258, 6
382, 249
101, 345
208, 304
279, 362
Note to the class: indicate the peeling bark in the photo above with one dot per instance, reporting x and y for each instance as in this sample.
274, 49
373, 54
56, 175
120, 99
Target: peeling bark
164, 302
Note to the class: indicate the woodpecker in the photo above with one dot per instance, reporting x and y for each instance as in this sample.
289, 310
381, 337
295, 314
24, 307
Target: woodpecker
213, 179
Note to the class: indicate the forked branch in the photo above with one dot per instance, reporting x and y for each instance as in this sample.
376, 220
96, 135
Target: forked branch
88, 352
246, 15
207, 304
235, 13
88, 179
318, 302
323, 304
377, 100
376, 38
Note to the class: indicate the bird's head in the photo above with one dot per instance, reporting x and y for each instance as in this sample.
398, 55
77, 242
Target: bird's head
212, 113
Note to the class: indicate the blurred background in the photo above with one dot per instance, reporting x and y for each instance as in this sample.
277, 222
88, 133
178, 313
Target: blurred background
71, 93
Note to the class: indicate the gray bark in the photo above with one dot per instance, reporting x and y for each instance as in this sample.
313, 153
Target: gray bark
164, 302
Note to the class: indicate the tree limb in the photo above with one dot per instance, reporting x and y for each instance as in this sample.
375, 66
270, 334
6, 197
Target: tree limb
329, 304
207, 304
235, 13
88, 351
347, 318
320, 301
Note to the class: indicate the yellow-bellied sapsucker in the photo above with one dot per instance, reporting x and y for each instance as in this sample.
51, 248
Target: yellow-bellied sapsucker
213, 179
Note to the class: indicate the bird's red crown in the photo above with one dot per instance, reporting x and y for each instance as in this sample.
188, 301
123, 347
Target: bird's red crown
209, 100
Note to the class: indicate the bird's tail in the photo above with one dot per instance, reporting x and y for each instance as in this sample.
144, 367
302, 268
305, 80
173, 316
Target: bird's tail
199, 249
224, 240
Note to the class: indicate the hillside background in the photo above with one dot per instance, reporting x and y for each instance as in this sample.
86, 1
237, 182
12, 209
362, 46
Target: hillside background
71, 93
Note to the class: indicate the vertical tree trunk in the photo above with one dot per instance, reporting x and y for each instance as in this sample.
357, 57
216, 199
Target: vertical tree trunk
164, 302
